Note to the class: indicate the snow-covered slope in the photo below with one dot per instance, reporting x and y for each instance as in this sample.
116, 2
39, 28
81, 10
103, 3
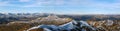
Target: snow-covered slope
73, 25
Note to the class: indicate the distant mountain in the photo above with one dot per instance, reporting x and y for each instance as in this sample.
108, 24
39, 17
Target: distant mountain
8, 17
55, 22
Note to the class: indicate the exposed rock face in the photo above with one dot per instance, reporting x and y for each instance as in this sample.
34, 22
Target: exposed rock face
107, 25
52, 20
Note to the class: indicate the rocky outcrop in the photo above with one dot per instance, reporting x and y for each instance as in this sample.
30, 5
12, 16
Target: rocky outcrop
106, 25
52, 20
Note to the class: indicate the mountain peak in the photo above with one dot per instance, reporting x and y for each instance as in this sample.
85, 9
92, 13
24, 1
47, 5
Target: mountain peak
52, 20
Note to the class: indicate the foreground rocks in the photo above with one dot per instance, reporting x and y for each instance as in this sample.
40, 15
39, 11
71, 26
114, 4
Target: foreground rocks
106, 25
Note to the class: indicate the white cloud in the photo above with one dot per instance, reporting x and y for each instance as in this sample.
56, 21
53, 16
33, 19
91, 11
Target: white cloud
101, 5
84, 3
39, 3
4, 3
24, 0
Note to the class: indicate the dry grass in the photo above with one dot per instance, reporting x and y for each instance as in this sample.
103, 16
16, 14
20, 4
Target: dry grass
16, 27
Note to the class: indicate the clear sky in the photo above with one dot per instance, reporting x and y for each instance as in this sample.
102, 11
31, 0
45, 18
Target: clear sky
61, 6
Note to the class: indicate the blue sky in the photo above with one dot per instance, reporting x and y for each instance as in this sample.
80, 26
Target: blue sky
61, 6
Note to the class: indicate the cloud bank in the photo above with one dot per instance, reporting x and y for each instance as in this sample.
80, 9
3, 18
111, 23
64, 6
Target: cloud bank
90, 5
